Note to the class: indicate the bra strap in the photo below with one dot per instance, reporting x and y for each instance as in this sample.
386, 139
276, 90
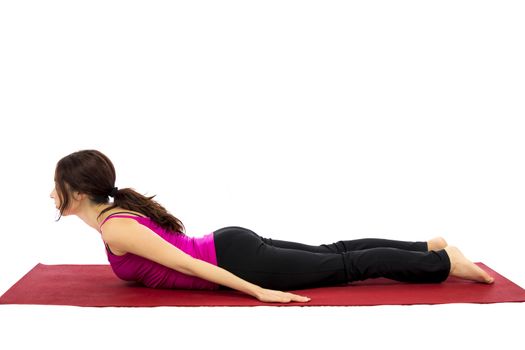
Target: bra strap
126, 216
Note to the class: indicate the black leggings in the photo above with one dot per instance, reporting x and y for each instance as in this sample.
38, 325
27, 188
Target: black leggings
285, 265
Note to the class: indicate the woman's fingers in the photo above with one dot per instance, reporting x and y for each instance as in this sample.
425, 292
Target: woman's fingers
268, 295
299, 298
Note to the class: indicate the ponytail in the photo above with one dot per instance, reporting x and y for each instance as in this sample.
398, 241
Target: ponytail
128, 198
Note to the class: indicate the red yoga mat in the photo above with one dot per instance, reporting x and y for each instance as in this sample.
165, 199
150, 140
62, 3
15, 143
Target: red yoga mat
96, 285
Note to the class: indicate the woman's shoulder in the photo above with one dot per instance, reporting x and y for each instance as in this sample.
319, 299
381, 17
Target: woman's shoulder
111, 229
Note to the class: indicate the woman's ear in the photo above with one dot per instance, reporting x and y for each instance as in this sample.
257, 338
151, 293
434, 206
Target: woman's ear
78, 196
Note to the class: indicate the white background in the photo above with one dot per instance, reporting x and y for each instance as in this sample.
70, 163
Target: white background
312, 121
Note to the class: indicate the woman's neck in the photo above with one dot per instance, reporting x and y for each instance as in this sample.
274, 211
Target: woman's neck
90, 214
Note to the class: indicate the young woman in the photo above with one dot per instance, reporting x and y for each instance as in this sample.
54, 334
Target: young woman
145, 243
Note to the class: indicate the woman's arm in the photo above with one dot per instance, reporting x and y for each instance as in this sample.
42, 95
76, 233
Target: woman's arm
210, 272
127, 235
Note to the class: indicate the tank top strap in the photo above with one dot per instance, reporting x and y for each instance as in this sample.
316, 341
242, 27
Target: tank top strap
134, 216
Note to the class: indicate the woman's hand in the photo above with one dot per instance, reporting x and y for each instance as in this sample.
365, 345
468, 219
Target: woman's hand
268, 295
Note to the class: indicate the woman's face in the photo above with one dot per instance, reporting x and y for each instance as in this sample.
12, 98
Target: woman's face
54, 195
73, 203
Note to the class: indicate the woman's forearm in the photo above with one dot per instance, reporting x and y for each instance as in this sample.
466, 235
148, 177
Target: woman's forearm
216, 274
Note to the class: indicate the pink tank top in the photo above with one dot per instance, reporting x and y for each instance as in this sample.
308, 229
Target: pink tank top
131, 267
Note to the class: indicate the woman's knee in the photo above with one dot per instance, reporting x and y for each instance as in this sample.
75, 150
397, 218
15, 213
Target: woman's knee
337, 247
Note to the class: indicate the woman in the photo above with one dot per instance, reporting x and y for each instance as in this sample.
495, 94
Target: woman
145, 243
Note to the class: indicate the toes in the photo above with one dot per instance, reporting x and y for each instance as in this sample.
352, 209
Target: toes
487, 278
482, 275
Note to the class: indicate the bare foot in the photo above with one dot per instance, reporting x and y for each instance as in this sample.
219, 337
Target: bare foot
437, 243
463, 268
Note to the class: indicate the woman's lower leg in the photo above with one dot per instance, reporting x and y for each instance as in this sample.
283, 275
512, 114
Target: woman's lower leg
397, 264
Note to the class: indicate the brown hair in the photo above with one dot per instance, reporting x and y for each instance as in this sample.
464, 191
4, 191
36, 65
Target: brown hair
91, 172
